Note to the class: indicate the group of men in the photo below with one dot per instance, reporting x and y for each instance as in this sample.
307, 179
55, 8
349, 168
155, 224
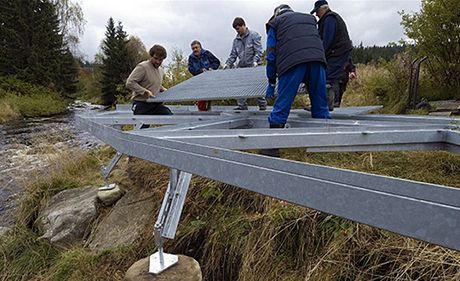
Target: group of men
300, 49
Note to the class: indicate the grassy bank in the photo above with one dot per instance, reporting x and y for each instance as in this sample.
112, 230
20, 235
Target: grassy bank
240, 235
19, 99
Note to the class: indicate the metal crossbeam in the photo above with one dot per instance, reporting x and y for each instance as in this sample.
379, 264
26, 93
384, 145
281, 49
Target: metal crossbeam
419, 210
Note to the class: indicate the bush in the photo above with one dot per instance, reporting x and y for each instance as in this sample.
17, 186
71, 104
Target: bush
46, 104
10, 84
89, 87
385, 83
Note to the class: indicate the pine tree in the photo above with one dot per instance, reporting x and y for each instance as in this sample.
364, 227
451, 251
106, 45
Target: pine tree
31, 46
115, 62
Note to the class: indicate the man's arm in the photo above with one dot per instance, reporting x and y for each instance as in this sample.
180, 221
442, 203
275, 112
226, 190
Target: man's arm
271, 55
132, 83
214, 62
257, 48
330, 24
233, 55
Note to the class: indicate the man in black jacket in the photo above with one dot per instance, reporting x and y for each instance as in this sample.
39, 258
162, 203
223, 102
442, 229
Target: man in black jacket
337, 46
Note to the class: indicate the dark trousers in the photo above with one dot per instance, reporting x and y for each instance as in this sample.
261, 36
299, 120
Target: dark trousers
150, 108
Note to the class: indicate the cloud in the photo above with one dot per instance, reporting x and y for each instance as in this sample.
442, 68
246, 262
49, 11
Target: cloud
175, 23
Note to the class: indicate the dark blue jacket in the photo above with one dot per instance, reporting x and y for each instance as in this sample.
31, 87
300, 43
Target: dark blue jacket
206, 60
292, 39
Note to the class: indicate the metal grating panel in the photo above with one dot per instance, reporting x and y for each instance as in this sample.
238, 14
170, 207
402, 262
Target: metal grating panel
218, 85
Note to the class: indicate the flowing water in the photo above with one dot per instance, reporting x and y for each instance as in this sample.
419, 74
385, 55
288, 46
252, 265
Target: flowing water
25, 147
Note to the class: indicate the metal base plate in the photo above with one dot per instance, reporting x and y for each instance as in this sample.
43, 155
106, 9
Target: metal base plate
155, 265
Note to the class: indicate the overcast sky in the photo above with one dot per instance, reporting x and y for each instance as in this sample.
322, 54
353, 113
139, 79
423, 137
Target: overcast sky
174, 23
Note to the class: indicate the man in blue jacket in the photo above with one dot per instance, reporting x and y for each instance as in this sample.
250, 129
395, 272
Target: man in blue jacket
295, 54
199, 61
337, 46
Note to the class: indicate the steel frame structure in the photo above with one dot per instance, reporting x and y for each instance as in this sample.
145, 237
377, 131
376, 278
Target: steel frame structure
209, 144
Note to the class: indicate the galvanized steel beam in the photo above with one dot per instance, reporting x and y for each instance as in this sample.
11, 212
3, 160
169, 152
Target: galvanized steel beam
419, 210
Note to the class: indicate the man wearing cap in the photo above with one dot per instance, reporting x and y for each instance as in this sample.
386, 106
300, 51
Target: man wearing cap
337, 46
295, 54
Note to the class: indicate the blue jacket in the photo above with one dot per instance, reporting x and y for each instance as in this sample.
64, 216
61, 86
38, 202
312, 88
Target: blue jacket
206, 60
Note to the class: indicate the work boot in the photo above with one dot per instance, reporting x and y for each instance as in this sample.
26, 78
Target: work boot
272, 152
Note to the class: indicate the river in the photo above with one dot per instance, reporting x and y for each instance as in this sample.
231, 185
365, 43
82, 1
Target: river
25, 147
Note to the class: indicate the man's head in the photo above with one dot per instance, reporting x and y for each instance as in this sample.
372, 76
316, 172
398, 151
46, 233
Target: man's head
239, 25
157, 55
281, 9
196, 47
321, 7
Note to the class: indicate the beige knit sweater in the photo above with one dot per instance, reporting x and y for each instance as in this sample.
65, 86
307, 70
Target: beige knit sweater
145, 77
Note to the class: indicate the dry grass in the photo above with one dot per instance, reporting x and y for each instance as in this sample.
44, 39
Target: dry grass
240, 235
8, 112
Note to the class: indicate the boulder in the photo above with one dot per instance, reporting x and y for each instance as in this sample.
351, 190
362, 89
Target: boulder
109, 194
68, 215
129, 221
187, 269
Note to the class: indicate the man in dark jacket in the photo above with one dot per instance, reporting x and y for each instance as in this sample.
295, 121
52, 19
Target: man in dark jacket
295, 54
199, 61
349, 72
337, 46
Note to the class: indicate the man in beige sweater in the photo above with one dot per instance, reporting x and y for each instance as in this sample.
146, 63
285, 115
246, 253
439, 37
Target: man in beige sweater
145, 82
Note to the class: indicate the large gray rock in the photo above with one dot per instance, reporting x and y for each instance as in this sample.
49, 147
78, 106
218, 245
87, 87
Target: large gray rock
129, 221
68, 215
187, 269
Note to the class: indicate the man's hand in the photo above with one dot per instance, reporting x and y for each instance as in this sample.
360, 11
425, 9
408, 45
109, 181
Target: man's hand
148, 94
226, 66
270, 92
352, 75
163, 89
255, 64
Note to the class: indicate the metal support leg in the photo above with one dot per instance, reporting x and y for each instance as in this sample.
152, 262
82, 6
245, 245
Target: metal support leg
168, 219
106, 170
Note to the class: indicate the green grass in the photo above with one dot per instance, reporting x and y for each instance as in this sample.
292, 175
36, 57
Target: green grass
20, 99
23, 257
46, 104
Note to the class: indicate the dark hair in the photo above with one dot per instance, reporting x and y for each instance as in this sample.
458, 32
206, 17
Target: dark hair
158, 50
238, 22
194, 42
